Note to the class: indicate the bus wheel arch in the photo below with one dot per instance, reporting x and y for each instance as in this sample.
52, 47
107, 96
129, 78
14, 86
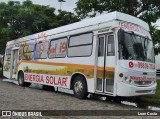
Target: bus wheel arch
20, 79
79, 79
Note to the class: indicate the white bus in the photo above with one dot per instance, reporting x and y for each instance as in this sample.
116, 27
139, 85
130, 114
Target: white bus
111, 54
157, 62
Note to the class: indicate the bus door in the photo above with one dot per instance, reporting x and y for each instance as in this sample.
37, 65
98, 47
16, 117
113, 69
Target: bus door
14, 62
105, 63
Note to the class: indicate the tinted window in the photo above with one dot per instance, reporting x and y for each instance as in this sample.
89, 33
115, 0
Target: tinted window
41, 50
110, 46
26, 51
81, 39
80, 45
57, 48
101, 46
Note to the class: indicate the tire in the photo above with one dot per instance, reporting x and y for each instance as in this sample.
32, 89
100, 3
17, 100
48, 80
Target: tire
21, 80
80, 87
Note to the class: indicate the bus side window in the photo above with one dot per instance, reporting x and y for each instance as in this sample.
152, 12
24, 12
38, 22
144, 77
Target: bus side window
101, 46
7, 58
80, 45
41, 50
57, 48
28, 51
20, 52
110, 46
8, 53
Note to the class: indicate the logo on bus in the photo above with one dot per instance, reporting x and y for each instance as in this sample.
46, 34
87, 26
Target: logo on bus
134, 28
130, 64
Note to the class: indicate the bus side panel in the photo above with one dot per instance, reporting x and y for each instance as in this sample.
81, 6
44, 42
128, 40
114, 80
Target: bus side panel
6, 74
6, 68
55, 74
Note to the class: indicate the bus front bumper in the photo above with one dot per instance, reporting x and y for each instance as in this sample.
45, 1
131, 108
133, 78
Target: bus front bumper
124, 89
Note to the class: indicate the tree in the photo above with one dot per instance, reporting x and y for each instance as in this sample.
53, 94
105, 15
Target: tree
19, 20
64, 18
156, 38
147, 10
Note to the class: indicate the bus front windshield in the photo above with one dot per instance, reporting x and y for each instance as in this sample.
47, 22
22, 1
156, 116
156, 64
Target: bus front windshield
135, 47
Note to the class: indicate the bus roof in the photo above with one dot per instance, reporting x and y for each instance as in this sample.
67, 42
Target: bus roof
93, 21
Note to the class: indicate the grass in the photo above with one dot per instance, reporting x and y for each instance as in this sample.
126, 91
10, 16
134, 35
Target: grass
156, 96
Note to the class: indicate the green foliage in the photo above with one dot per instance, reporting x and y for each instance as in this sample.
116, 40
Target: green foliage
155, 33
156, 96
147, 10
19, 20
64, 17
133, 7
0, 71
158, 88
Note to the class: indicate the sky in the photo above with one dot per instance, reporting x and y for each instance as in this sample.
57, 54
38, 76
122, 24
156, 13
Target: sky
69, 5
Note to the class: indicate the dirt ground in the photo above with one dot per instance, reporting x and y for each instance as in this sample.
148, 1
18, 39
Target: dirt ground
14, 97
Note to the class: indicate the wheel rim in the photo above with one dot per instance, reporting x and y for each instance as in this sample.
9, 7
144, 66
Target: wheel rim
78, 87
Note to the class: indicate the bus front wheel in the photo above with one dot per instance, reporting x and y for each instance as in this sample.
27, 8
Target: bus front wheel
80, 87
21, 80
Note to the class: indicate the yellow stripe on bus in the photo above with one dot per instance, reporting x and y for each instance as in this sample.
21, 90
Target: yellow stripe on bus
112, 69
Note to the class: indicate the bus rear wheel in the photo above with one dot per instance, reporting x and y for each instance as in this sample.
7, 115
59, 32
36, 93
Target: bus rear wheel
21, 80
80, 87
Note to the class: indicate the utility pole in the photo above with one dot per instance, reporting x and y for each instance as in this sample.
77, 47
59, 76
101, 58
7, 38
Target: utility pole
61, 3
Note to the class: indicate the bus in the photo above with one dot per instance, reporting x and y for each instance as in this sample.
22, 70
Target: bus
111, 55
157, 62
